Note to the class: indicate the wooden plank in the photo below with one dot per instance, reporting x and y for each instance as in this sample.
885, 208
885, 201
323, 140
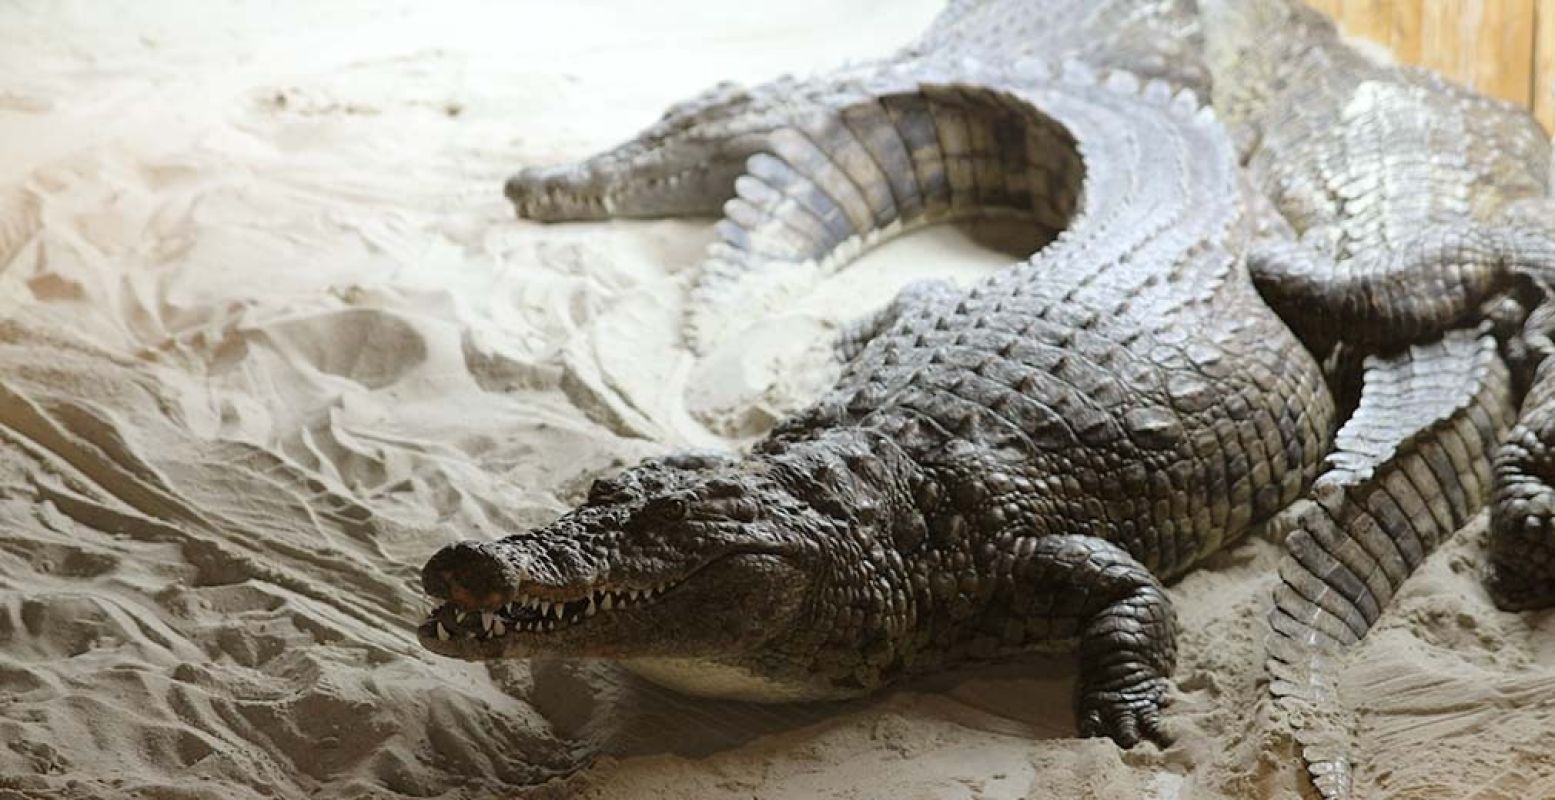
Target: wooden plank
1440, 24
1368, 19
1405, 38
1544, 64
1503, 50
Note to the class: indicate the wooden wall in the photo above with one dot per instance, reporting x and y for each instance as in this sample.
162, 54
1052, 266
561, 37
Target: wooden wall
1501, 47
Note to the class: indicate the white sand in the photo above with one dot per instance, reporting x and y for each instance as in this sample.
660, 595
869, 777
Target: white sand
271, 336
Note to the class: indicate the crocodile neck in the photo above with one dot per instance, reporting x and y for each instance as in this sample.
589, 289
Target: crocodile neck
858, 477
863, 493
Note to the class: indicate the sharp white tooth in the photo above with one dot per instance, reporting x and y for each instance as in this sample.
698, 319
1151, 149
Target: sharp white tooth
460, 615
442, 633
486, 619
498, 629
609, 603
590, 609
545, 608
637, 594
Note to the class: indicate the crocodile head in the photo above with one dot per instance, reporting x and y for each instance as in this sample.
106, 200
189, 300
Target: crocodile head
703, 575
683, 165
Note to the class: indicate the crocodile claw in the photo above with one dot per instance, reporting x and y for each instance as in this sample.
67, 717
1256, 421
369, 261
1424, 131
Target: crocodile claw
1126, 716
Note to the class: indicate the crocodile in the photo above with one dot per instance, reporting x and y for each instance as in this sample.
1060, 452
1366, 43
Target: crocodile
1012, 467
1415, 209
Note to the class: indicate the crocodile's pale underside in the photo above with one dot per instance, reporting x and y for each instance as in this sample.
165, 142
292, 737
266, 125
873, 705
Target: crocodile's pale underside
1005, 468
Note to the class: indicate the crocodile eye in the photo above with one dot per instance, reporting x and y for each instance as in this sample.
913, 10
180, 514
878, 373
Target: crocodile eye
667, 509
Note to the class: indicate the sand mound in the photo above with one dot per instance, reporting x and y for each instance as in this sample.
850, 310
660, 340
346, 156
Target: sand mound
269, 337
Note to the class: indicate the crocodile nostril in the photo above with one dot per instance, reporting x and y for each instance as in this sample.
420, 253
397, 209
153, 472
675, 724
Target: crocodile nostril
517, 188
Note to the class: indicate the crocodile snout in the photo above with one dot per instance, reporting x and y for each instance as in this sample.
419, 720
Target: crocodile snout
553, 194
470, 575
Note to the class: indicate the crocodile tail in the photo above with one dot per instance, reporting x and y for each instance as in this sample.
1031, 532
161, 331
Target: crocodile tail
919, 145
1409, 468
910, 152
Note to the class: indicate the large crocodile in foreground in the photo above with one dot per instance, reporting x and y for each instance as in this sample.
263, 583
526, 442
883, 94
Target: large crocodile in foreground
1419, 207
1007, 468
1002, 469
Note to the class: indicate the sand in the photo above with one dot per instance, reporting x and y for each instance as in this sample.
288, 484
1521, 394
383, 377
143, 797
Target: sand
269, 336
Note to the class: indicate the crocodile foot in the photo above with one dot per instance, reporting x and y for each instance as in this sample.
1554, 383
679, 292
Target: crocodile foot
1521, 572
1127, 639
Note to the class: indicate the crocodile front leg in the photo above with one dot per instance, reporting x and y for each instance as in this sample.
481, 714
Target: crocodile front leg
1085, 588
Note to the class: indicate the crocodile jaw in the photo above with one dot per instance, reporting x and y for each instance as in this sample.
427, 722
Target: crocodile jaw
659, 183
683, 165
723, 609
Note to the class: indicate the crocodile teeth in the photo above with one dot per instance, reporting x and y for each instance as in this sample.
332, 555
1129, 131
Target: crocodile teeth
534, 614
442, 633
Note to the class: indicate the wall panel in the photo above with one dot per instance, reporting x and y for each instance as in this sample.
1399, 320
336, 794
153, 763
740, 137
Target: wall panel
1504, 48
